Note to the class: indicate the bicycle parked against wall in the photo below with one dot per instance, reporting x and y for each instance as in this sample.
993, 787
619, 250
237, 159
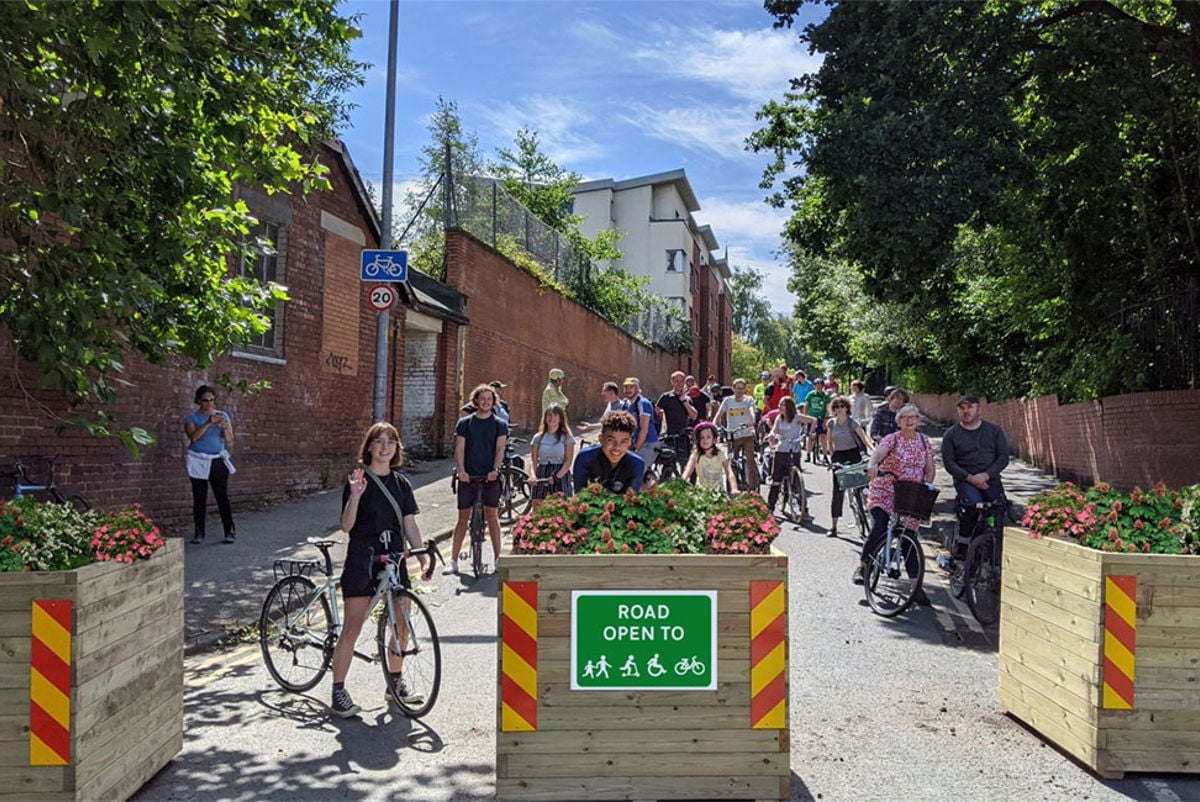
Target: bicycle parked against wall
23, 486
300, 622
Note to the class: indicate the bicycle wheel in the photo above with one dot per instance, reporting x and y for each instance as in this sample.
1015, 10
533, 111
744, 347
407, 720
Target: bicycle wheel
981, 575
858, 507
795, 507
294, 632
515, 500
477, 529
73, 498
411, 647
889, 588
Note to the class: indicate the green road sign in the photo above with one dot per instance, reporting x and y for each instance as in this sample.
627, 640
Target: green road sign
650, 640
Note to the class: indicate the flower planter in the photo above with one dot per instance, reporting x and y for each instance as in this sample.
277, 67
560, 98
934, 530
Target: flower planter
91, 677
689, 701
1100, 653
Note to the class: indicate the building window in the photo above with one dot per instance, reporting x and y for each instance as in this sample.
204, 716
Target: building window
676, 261
264, 265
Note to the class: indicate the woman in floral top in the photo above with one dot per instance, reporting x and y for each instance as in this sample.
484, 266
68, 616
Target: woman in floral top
904, 456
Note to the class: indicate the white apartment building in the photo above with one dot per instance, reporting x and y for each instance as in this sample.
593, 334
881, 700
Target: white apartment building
663, 242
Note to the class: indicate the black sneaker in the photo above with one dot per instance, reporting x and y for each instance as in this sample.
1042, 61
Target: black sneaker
197, 538
405, 695
343, 706
920, 598
858, 576
230, 537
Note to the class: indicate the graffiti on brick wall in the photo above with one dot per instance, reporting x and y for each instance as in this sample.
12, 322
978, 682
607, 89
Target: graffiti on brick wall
339, 363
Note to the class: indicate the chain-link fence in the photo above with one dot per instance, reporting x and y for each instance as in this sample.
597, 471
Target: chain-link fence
1167, 333
484, 209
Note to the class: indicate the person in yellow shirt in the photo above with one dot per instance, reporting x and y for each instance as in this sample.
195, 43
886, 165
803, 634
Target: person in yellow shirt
553, 393
760, 390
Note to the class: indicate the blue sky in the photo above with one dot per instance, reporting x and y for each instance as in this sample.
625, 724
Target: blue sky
614, 90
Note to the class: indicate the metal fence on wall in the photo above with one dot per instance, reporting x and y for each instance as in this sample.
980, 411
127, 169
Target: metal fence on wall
1167, 332
484, 209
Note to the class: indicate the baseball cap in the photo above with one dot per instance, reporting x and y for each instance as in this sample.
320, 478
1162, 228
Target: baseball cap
555, 373
499, 385
967, 399
632, 380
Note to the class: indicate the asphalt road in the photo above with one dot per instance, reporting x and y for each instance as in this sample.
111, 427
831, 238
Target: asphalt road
900, 708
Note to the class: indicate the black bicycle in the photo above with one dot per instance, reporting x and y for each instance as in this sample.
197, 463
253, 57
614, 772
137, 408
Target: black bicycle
977, 574
793, 498
737, 458
477, 528
515, 499
666, 460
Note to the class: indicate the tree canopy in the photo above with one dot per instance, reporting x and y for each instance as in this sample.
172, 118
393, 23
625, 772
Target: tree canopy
124, 129
1015, 183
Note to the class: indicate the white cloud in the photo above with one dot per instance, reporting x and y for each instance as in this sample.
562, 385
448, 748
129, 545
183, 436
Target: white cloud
558, 122
700, 127
743, 220
752, 64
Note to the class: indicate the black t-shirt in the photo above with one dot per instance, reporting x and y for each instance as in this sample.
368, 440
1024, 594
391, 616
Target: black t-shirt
480, 436
375, 513
592, 465
672, 406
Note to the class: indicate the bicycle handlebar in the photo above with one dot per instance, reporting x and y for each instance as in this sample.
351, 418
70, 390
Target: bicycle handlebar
429, 548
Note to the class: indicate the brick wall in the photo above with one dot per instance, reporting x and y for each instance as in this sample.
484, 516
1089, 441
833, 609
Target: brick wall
519, 330
299, 435
1128, 440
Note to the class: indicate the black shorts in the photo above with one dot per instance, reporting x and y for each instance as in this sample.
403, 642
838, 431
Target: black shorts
360, 574
468, 490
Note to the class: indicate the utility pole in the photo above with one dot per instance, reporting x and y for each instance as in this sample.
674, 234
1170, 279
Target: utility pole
383, 323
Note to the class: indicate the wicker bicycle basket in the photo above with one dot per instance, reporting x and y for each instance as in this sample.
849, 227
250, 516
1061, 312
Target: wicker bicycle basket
915, 499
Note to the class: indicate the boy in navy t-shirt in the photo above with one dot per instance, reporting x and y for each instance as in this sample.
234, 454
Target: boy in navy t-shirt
610, 462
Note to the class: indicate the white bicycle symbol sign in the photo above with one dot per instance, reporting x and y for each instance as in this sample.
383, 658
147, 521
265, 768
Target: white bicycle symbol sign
692, 664
385, 265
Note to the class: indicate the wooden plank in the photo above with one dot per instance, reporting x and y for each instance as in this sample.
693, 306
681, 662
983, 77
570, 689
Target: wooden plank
1156, 677
1064, 556
1150, 635
159, 658
1147, 719
136, 620
100, 580
28, 781
631, 719
1120, 740
1170, 617
128, 741
157, 589
619, 788
1013, 639
169, 623
1155, 762
1071, 632
1154, 593
1073, 736
1069, 699
16, 600
105, 717
1179, 698
141, 761
648, 741
1158, 657
1079, 594
559, 694
638, 764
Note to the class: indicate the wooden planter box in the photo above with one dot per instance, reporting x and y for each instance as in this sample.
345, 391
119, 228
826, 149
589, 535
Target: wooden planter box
729, 740
122, 627
1100, 653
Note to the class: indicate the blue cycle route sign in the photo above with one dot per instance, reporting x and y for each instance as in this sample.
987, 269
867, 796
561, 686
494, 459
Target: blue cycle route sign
384, 265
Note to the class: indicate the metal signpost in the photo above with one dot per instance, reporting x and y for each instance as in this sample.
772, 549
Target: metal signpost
650, 640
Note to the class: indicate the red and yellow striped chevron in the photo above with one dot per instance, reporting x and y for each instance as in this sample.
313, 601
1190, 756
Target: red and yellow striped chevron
1120, 641
50, 684
518, 657
768, 655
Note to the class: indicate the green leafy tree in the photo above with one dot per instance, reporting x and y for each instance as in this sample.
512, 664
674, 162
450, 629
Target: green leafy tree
124, 130
1005, 175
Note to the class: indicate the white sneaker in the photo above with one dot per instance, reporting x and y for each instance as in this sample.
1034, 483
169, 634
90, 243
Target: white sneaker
496, 565
452, 568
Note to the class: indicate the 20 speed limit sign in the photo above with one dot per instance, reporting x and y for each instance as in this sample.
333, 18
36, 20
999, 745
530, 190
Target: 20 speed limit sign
381, 297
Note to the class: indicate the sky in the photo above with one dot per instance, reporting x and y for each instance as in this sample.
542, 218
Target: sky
614, 89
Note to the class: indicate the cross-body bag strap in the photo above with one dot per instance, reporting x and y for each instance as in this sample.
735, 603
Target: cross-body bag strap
391, 499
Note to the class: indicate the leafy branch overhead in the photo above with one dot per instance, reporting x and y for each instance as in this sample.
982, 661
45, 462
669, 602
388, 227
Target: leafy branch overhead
1015, 185
125, 131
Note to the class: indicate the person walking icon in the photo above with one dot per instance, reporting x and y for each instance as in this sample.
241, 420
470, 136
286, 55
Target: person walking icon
602, 667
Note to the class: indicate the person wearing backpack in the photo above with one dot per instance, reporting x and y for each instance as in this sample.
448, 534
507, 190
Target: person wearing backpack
642, 410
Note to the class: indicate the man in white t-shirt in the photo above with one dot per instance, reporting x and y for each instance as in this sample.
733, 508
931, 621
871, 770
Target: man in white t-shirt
737, 414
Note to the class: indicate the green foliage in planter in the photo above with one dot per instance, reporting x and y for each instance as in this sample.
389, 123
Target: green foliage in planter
1153, 521
673, 518
43, 536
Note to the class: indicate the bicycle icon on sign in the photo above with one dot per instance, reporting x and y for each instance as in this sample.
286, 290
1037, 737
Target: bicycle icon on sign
385, 265
692, 664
